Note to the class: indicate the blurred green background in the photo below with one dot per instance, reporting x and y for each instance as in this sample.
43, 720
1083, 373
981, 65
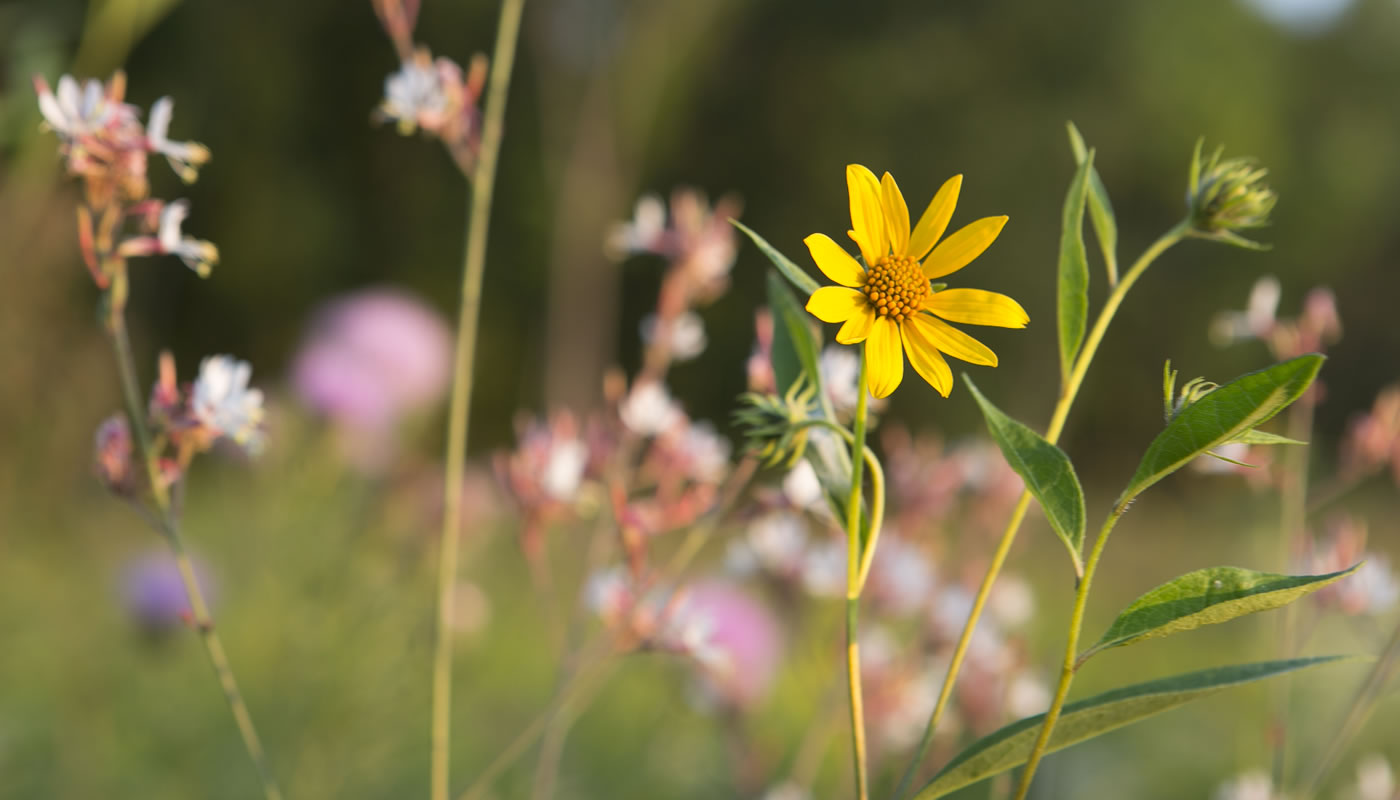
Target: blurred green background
325, 579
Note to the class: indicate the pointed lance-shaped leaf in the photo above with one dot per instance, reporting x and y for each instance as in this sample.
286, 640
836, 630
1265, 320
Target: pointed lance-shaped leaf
1220, 417
1047, 471
1206, 597
798, 277
1009, 747
1100, 209
1073, 283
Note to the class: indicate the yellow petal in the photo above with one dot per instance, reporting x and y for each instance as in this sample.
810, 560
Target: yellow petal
958, 250
952, 341
835, 303
977, 307
896, 214
935, 219
867, 216
927, 361
857, 327
834, 262
884, 358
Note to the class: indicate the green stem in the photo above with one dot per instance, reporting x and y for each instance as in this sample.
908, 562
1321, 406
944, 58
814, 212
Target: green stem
1076, 622
474, 262
1362, 706
575, 693
1292, 515
1008, 536
169, 526
854, 550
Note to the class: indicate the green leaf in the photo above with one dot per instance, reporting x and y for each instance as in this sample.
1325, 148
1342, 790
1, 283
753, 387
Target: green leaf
1100, 209
1220, 417
795, 349
795, 274
1206, 597
1074, 270
1009, 747
1264, 438
1047, 471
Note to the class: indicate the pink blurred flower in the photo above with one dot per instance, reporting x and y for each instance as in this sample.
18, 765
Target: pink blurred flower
372, 357
736, 640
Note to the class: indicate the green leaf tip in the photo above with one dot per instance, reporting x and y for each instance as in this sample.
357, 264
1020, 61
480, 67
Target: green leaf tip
798, 277
1073, 283
1009, 747
1047, 471
1100, 208
1207, 597
1218, 416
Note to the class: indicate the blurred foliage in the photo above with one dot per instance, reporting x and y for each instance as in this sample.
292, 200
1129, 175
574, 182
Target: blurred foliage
326, 587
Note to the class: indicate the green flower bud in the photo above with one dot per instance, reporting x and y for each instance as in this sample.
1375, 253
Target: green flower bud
776, 427
1228, 195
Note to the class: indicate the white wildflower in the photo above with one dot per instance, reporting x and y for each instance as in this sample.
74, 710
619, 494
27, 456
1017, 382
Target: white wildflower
802, 488
649, 409
198, 255
685, 335
223, 404
184, 157
563, 471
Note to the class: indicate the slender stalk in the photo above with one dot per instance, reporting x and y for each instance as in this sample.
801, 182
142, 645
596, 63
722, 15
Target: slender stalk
474, 262
1293, 499
1362, 706
1069, 392
169, 526
853, 586
1076, 622
574, 693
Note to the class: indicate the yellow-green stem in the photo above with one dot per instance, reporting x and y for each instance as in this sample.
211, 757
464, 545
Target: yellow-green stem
483, 180
853, 571
169, 526
1076, 622
1058, 417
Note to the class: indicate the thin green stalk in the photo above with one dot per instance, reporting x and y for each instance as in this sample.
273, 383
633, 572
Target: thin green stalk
1008, 536
169, 526
574, 693
474, 262
1076, 622
1362, 706
853, 573
1293, 505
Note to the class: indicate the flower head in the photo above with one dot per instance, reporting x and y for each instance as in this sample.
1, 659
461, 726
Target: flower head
223, 405
889, 303
1228, 195
184, 157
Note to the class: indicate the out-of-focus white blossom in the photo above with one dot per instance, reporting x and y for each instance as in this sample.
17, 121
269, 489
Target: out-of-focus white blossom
1251, 785
901, 576
1375, 779
564, 468
648, 409
685, 334
949, 610
840, 370
224, 405
778, 540
1026, 697
1011, 602
185, 157
1256, 321
802, 488
824, 569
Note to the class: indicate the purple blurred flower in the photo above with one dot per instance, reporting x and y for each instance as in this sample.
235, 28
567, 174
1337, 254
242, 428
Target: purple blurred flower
371, 357
154, 592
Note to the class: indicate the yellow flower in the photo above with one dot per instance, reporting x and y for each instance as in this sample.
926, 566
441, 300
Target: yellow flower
889, 303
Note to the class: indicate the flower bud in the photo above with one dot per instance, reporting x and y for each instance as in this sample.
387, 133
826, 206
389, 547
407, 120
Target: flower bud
1228, 195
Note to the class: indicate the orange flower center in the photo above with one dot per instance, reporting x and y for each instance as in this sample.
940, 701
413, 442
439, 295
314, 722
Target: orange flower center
896, 287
